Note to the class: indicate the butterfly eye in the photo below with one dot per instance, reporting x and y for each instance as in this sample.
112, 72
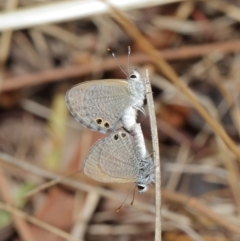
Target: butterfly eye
106, 124
142, 188
123, 135
99, 121
116, 137
133, 76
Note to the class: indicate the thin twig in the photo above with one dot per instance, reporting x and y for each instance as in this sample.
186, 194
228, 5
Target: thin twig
5, 40
229, 10
200, 208
174, 197
5, 158
21, 226
66, 10
84, 216
182, 158
156, 158
37, 222
47, 185
57, 74
231, 166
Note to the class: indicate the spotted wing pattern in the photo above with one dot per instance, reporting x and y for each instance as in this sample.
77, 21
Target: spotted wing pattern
91, 165
119, 157
99, 105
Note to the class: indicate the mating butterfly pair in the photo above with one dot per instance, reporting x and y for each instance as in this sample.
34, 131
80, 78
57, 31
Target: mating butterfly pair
105, 106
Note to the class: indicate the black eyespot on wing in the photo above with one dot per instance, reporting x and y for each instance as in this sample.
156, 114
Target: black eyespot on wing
116, 137
107, 125
99, 121
123, 135
133, 76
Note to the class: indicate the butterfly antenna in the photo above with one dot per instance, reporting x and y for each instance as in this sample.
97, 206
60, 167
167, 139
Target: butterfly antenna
133, 195
118, 210
110, 51
129, 52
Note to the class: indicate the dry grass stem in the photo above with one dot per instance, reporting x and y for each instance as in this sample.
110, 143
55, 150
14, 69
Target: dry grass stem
201, 208
58, 74
37, 222
229, 9
112, 195
71, 182
66, 10
156, 158
84, 216
21, 225
182, 158
5, 41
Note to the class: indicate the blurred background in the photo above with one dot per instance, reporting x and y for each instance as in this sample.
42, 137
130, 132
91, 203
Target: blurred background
46, 47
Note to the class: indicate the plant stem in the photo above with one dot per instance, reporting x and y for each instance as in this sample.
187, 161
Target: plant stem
156, 158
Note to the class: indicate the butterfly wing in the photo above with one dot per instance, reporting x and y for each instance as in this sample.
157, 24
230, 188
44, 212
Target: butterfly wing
99, 105
91, 165
119, 157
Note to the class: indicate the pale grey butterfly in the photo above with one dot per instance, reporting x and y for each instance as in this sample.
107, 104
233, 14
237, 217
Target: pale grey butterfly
117, 159
101, 105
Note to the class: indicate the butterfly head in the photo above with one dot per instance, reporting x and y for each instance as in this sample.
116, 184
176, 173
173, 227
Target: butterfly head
134, 76
146, 175
137, 87
143, 183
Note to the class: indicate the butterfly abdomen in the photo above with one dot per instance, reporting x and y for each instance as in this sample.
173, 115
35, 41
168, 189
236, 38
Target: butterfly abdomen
129, 118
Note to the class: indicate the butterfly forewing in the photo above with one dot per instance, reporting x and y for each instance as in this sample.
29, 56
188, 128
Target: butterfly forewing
91, 165
99, 105
119, 158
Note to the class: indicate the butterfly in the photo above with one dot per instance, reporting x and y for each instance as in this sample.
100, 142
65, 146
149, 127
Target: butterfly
117, 159
103, 105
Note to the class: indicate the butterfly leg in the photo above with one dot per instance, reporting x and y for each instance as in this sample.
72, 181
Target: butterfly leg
140, 109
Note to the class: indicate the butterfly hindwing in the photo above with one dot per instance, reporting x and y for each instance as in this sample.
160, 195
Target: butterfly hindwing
93, 169
99, 105
119, 157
